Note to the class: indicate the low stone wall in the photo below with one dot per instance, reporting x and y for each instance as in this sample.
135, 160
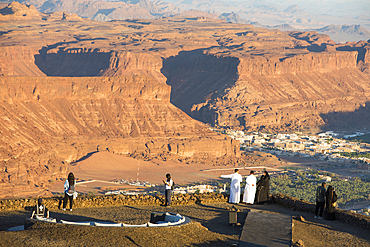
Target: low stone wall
345, 216
178, 199
113, 200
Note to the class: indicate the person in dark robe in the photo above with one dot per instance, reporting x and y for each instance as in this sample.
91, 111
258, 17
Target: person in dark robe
263, 189
330, 199
320, 201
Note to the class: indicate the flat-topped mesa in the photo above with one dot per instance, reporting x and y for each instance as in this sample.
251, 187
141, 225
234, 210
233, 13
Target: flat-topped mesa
322, 62
82, 88
89, 62
29, 61
272, 91
122, 63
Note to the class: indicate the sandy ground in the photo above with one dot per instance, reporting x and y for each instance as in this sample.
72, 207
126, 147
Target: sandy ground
209, 227
105, 167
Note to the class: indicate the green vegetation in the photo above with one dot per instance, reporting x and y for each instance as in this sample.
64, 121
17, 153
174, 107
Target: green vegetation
356, 155
292, 168
364, 138
304, 187
91, 193
329, 140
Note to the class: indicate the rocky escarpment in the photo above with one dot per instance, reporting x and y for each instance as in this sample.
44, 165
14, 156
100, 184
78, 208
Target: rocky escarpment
71, 87
48, 122
274, 91
18, 60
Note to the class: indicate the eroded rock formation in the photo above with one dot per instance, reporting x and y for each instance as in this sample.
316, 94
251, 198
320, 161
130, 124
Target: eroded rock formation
252, 87
48, 122
71, 86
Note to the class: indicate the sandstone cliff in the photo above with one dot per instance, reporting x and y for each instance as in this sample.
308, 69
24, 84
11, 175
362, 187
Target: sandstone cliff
286, 88
230, 75
48, 122
71, 87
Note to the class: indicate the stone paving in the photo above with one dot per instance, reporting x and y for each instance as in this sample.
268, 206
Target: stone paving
262, 228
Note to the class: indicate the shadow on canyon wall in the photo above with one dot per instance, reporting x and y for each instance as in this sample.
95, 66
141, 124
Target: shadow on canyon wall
196, 77
83, 158
356, 120
360, 52
311, 47
72, 62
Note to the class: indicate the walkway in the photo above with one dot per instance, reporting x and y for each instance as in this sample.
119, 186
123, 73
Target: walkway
262, 228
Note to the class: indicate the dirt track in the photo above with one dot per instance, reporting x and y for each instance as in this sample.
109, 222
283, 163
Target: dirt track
209, 227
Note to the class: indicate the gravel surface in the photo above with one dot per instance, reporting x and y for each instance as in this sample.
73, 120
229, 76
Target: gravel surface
209, 227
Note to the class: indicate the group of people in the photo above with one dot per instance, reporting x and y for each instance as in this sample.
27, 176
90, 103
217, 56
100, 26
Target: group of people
325, 198
254, 192
40, 210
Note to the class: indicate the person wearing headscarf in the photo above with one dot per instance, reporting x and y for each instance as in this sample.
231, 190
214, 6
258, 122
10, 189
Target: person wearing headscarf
236, 178
40, 210
250, 188
69, 190
263, 188
168, 189
320, 200
330, 199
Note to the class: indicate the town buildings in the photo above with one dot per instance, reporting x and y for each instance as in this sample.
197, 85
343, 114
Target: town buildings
324, 146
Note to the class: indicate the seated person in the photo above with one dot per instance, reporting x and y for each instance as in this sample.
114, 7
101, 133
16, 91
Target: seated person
40, 210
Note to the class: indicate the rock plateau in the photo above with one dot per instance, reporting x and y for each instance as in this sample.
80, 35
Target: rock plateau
71, 87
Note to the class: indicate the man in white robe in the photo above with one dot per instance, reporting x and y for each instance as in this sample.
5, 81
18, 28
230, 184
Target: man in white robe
250, 188
236, 178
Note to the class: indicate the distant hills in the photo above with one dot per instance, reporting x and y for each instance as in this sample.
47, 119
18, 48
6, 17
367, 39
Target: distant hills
257, 12
294, 9
349, 29
108, 10
340, 33
232, 17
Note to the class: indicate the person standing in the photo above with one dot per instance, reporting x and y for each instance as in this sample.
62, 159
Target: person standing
320, 201
168, 190
331, 198
236, 178
69, 191
250, 188
263, 188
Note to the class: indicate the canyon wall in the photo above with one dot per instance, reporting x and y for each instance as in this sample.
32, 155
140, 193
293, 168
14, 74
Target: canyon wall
271, 93
70, 87
28, 61
49, 122
18, 60
322, 62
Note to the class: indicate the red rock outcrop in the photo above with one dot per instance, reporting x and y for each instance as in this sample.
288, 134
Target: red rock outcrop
48, 122
286, 88
224, 74
71, 87
18, 60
